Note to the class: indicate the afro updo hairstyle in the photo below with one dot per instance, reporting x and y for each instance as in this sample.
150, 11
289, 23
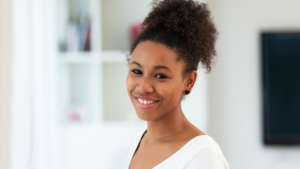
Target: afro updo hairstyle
184, 26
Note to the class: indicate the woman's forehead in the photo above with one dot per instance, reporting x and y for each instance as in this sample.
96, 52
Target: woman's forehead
152, 54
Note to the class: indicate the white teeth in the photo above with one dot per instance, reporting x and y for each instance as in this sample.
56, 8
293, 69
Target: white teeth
145, 101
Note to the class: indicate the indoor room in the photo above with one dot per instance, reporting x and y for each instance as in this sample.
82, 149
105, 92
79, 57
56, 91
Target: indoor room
64, 68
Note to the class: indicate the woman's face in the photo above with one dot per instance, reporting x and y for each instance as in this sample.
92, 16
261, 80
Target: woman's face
154, 82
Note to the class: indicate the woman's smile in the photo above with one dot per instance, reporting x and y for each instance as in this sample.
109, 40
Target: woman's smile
145, 102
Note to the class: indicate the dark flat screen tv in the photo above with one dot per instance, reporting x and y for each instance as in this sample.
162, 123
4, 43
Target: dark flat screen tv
281, 87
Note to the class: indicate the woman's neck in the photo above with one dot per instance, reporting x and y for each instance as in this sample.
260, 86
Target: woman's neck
168, 127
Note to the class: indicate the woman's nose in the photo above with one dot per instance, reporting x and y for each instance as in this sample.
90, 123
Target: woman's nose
145, 86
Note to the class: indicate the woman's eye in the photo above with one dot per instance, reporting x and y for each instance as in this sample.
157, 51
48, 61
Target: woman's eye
136, 72
160, 76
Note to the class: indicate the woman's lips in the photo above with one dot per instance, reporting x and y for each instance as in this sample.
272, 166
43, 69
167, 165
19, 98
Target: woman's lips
145, 103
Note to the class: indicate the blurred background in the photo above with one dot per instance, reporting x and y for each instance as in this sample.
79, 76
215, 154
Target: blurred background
63, 97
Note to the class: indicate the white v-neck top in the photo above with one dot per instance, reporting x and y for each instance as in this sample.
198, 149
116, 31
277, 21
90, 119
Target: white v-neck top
202, 152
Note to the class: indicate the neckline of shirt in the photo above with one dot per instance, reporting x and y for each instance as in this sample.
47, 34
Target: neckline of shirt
167, 159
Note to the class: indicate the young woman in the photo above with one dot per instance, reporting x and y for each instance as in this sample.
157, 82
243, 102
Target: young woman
176, 36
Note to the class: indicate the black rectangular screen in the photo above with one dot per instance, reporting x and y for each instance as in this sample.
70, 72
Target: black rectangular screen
281, 87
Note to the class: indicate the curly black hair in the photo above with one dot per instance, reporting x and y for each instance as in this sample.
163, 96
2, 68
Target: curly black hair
184, 26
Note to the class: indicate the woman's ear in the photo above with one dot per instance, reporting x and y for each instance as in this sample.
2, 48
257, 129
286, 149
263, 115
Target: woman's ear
190, 81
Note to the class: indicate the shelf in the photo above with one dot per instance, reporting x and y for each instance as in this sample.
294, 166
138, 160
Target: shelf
92, 57
114, 56
80, 57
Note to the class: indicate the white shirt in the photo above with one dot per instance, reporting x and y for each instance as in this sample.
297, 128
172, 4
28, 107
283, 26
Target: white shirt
202, 152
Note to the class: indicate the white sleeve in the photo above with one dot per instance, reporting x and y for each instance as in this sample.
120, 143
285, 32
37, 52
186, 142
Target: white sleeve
208, 158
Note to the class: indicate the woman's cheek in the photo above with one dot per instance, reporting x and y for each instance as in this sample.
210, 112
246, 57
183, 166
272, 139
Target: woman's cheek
164, 90
170, 92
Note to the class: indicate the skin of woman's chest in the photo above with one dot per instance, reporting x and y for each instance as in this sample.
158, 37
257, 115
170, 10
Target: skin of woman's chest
148, 156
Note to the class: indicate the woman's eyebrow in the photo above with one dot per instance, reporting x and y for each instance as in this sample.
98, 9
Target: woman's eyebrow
155, 67
162, 67
139, 65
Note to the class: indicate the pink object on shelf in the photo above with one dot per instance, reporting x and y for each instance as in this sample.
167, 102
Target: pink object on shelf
135, 30
76, 113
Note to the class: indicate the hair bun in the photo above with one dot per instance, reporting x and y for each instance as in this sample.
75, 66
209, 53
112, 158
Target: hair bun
181, 16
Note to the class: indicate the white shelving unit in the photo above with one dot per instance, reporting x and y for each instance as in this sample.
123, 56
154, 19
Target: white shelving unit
92, 80
88, 80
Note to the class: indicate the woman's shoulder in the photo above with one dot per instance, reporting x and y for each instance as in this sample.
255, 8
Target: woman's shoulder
206, 154
201, 152
206, 142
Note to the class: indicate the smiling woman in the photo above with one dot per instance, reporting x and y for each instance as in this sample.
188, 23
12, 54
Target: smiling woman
176, 36
153, 76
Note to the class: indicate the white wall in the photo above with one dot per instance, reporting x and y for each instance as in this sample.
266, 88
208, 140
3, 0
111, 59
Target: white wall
234, 84
5, 82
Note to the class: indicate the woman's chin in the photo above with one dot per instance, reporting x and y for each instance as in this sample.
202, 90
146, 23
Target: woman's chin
146, 115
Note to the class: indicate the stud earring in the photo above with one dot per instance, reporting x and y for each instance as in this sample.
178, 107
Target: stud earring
187, 92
